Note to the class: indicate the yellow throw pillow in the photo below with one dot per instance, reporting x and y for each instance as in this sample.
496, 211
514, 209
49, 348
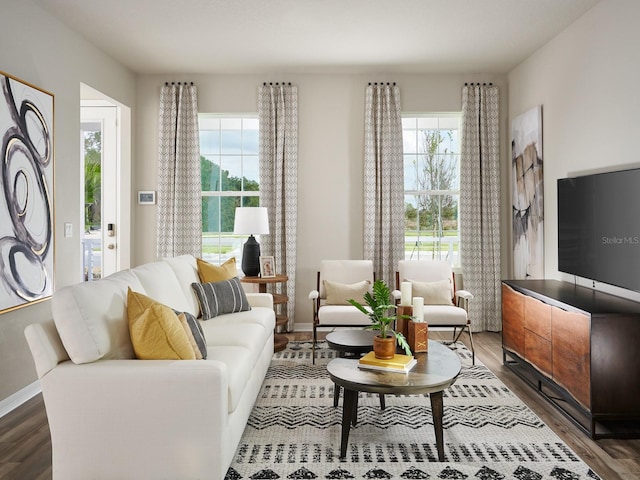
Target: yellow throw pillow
339, 293
434, 293
156, 332
214, 273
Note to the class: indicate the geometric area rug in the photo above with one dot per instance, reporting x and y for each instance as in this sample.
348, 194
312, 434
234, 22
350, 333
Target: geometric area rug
489, 434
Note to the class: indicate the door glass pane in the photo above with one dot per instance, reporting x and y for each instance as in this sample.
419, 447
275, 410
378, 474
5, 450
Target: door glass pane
92, 235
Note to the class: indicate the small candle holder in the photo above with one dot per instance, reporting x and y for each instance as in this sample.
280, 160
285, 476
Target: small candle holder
418, 336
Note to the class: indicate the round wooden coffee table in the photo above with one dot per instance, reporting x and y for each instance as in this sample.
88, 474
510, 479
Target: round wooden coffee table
436, 371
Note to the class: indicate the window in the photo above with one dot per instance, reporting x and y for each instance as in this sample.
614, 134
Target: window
431, 145
230, 178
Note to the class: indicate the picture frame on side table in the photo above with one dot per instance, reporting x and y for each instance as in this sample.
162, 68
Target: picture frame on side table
267, 267
26, 194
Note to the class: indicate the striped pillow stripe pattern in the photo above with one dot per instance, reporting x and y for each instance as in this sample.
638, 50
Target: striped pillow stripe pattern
217, 298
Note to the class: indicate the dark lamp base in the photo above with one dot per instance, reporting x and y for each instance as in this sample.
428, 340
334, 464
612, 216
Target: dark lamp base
251, 257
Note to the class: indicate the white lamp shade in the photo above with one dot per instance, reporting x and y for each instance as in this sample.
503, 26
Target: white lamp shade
251, 221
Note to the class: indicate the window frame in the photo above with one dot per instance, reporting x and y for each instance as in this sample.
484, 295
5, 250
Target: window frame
215, 240
413, 250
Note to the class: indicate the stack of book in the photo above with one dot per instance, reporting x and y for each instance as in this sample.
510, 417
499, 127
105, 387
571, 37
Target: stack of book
399, 363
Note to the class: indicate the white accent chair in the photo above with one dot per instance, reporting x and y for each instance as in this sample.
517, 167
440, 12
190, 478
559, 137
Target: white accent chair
347, 272
434, 273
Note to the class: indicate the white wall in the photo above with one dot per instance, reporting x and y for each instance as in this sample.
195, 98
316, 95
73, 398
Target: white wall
587, 80
330, 151
36, 48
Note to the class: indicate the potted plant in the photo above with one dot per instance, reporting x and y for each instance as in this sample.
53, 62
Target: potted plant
382, 314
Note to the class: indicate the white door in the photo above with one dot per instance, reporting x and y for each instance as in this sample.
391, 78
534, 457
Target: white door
99, 144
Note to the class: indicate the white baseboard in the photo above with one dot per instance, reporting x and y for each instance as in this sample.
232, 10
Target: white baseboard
21, 396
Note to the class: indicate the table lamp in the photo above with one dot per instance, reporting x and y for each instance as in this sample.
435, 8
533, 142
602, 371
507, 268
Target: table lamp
250, 221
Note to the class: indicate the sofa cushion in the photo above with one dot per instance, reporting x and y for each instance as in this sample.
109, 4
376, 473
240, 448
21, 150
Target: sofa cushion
156, 331
159, 282
240, 364
91, 318
342, 315
434, 293
339, 293
209, 272
186, 271
216, 298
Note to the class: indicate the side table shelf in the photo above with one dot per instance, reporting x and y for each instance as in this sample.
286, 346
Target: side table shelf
280, 341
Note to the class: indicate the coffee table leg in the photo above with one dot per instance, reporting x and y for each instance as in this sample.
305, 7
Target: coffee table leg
349, 406
437, 411
382, 402
336, 394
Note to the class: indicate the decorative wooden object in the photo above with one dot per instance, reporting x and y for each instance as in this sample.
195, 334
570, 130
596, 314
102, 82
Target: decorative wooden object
418, 336
402, 324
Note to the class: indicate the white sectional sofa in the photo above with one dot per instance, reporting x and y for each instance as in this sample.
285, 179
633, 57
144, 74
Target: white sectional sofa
113, 416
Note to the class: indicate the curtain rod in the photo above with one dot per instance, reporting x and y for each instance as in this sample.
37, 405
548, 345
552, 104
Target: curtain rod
478, 84
382, 83
179, 83
277, 84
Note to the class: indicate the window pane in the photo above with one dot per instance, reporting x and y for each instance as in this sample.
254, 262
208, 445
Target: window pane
231, 123
408, 123
211, 214
250, 172
210, 173
209, 142
427, 123
250, 141
230, 141
410, 172
409, 141
207, 122
231, 173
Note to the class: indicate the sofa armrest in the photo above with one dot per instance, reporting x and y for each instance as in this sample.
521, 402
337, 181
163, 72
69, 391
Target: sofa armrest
149, 415
313, 295
260, 299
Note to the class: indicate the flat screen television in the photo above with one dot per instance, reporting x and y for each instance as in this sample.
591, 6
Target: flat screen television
599, 227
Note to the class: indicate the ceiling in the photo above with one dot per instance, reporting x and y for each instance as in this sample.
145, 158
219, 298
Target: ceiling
318, 36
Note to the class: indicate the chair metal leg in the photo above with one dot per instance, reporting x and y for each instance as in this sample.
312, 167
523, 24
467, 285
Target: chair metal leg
473, 352
313, 345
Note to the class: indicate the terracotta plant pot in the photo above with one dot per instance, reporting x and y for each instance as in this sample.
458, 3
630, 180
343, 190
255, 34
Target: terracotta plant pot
384, 348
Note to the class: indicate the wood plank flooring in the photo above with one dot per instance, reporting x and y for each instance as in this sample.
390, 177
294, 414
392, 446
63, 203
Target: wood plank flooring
25, 443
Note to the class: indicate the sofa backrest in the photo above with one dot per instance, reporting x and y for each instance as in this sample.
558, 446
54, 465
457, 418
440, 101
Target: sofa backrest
91, 318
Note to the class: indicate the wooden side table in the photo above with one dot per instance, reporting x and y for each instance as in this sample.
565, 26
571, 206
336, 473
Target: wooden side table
280, 341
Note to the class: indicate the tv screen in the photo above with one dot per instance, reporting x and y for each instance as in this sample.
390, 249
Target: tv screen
599, 227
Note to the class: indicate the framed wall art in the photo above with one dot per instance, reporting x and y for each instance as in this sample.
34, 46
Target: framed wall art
527, 195
26, 194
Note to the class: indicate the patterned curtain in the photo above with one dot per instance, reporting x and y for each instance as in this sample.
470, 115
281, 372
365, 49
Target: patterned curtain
278, 114
383, 181
179, 200
480, 204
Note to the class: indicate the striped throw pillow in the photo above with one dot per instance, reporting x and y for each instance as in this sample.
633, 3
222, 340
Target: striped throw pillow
217, 298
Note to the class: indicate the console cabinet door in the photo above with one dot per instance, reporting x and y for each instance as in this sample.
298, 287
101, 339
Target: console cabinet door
572, 353
512, 320
537, 334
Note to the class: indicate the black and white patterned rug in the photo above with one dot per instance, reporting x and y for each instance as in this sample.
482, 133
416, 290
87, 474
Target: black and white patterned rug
294, 430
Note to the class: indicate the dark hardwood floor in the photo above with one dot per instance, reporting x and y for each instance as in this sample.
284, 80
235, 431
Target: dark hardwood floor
25, 444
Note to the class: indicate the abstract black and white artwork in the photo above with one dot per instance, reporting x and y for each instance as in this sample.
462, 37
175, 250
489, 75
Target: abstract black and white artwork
527, 195
26, 194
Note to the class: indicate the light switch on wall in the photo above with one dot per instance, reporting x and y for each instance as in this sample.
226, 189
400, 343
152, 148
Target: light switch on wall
68, 230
